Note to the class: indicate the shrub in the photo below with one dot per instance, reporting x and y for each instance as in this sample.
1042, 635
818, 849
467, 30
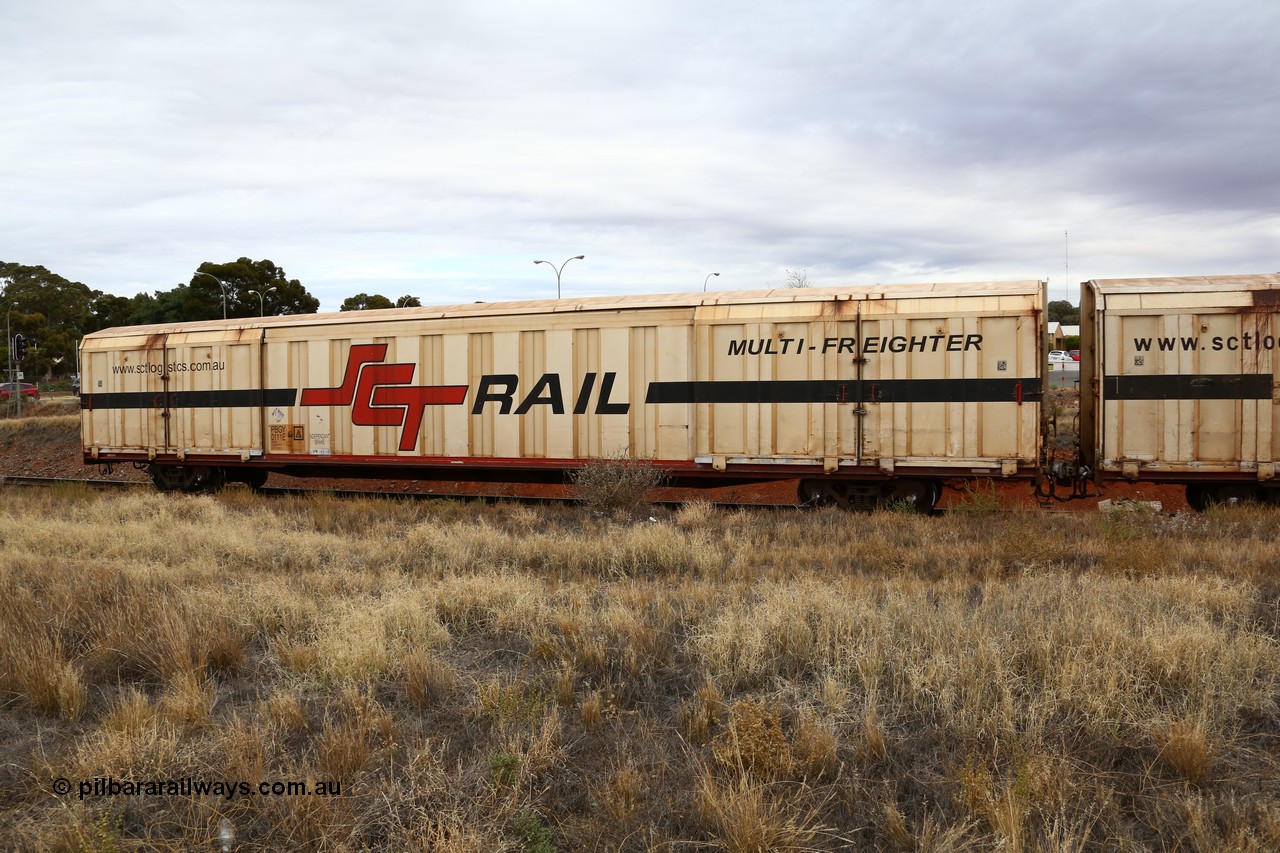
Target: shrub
534, 835
617, 483
980, 498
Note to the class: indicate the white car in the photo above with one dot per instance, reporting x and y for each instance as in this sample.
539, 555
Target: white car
1059, 356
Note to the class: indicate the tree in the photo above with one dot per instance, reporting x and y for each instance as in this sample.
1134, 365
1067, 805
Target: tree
239, 278
170, 306
374, 301
366, 302
38, 291
798, 278
1062, 311
51, 312
107, 311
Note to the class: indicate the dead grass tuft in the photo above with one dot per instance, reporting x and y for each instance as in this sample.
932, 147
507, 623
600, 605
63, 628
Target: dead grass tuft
701, 715
816, 748
284, 709
428, 680
695, 514
624, 795
592, 711
743, 816
1185, 748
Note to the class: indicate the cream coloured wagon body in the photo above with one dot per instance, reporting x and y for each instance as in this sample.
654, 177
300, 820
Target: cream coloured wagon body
878, 383
1183, 379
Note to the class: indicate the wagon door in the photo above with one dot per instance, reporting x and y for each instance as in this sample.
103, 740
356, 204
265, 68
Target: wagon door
1226, 391
215, 400
753, 395
125, 396
941, 384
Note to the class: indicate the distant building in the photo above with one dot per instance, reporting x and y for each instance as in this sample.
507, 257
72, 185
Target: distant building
1057, 334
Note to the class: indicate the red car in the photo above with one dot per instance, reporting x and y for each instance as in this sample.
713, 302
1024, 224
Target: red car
26, 389
1075, 354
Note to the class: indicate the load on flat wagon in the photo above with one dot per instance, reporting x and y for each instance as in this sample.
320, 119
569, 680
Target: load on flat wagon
1180, 381
861, 394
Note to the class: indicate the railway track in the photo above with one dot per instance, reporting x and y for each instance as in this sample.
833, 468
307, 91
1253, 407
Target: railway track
285, 491
534, 500
66, 481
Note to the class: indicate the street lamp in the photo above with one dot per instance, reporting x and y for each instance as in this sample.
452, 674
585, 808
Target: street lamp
707, 279
9, 337
262, 311
224, 290
557, 269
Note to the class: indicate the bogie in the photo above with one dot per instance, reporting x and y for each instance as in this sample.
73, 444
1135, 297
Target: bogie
919, 495
1202, 496
187, 478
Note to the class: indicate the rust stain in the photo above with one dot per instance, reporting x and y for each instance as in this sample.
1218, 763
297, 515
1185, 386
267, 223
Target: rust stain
154, 342
1266, 298
1261, 300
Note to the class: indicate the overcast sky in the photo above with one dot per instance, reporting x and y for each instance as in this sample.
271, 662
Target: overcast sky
437, 148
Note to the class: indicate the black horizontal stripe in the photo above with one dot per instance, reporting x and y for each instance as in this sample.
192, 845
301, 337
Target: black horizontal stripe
252, 398
1189, 386
848, 391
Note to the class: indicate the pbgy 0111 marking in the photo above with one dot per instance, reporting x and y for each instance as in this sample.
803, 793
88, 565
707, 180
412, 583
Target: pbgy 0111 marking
870, 345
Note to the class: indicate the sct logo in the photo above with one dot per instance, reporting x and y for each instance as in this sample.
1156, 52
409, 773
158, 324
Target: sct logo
380, 394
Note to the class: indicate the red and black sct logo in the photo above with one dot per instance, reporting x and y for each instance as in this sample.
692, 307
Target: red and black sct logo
380, 394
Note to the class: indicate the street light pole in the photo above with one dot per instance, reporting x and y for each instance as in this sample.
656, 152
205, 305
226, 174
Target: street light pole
558, 269
9, 336
262, 311
222, 286
8, 331
707, 279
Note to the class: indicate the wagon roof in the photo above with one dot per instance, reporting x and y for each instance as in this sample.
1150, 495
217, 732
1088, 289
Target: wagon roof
601, 303
1205, 283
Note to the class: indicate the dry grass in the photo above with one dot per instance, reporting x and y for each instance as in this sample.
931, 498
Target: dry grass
507, 677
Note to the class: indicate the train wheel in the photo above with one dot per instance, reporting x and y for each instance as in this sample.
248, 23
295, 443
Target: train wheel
821, 493
1234, 493
846, 494
173, 478
212, 479
187, 478
920, 495
1201, 496
254, 478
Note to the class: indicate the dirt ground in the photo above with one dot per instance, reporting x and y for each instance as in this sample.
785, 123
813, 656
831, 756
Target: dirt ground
49, 446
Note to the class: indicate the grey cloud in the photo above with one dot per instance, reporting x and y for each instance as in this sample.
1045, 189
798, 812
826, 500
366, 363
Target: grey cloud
443, 143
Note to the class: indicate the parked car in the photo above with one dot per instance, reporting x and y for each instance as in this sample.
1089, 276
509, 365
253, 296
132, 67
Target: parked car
1075, 354
1058, 356
26, 389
